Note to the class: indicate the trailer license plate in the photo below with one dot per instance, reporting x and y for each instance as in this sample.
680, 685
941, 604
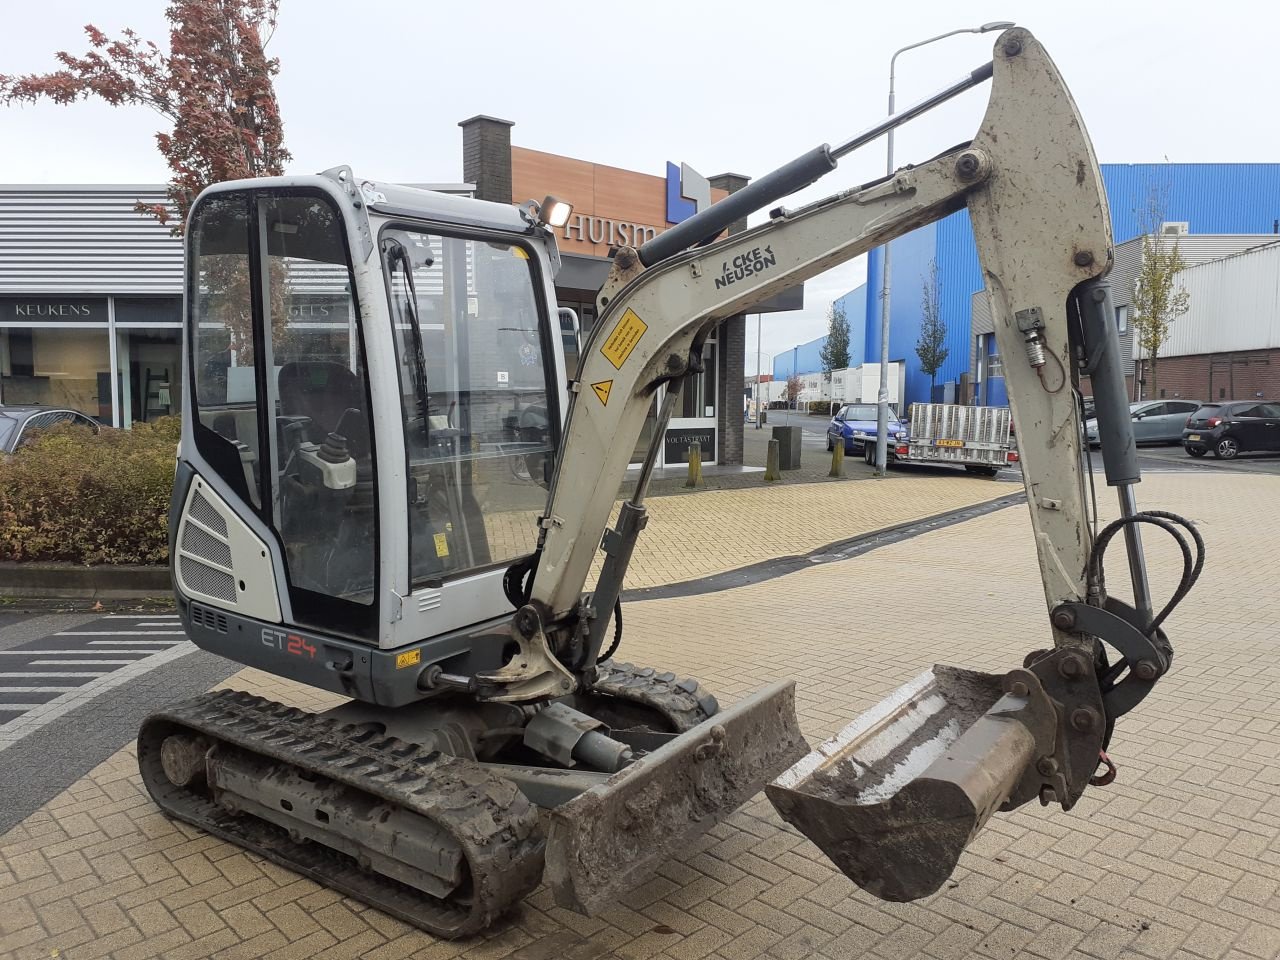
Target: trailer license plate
948, 443
1194, 436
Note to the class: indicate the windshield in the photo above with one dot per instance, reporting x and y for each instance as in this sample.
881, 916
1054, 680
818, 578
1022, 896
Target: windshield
867, 411
476, 374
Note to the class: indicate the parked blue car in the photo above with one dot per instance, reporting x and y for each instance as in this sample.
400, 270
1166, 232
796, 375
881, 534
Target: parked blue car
855, 423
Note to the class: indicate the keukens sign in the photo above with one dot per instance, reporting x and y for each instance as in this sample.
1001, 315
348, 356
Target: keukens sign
18, 311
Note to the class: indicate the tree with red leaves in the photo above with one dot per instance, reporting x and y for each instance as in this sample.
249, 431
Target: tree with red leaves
214, 86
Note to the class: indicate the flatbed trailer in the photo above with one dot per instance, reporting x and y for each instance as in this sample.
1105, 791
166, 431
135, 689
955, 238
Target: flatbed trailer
980, 439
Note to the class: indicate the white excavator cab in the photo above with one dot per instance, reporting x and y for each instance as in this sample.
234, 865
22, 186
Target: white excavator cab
376, 399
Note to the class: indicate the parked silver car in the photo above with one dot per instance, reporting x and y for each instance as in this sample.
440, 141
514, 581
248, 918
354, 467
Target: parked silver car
1154, 421
18, 424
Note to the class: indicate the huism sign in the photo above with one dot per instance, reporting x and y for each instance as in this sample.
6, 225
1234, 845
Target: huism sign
612, 207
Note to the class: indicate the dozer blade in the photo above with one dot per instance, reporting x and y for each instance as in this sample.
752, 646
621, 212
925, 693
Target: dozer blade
894, 798
608, 839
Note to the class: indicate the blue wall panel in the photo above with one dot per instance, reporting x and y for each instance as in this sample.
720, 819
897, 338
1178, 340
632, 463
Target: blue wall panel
1211, 197
806, 358
800, 359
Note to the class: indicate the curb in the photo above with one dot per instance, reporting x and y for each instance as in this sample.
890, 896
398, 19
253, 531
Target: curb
828, 553
67, 581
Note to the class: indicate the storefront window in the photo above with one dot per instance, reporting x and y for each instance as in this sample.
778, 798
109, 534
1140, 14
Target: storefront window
57, 367
698, 398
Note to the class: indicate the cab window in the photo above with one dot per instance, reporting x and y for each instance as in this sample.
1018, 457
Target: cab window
477, 375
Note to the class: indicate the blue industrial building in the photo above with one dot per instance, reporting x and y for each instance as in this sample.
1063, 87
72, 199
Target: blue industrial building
1212, 198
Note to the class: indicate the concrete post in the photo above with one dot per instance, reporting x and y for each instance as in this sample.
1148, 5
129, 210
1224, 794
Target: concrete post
837, 461
695, 466
772, 474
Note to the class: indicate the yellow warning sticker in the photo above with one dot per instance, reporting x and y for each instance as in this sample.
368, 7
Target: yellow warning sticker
408, 659
602, 391
442, 545
623, 339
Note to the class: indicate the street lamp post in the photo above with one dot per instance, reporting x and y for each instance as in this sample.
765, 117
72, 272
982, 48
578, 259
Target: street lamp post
882, 398
759, 382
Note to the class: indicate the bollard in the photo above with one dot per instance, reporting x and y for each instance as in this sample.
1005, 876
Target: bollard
771, 472
695, 466
837, 460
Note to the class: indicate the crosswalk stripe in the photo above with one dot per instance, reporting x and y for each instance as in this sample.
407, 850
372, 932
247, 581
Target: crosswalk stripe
134, 643
45, 653
41, 689
80, 663
33, 674
121, 633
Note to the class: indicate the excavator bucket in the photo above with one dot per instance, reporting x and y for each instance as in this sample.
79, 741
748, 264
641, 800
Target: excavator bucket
604, 841
896, 796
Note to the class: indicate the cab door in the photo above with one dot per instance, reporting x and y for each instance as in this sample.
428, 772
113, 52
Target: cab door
282, 411
1250, 428
1147, 423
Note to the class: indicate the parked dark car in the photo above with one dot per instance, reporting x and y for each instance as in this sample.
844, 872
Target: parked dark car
1154, 421
1232, 427
855, 425
18, 424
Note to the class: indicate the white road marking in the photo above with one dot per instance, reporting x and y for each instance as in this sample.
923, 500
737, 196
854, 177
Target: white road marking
121, 633
133, 643
77, 663
33, 690
138, 616
44, 673
17, 706
45, 653
167, 623
74, 697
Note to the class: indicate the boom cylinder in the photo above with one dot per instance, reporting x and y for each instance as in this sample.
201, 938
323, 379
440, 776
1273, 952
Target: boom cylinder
787, 179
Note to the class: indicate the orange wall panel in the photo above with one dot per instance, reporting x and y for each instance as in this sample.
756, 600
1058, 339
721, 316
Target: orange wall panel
598, 193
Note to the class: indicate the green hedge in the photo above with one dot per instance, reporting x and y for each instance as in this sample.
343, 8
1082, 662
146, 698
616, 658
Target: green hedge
72, 497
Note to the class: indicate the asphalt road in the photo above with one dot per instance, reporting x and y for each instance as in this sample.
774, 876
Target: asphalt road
74, 688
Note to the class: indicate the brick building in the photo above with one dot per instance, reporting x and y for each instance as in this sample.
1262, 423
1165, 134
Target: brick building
614, 207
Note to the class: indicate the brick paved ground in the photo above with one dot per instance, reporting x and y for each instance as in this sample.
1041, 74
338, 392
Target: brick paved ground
1180, 859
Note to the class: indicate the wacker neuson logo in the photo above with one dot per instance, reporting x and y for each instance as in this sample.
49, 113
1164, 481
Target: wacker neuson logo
745, 265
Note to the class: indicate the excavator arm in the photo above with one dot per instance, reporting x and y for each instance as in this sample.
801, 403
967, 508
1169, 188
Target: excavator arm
894, 798
1039, 213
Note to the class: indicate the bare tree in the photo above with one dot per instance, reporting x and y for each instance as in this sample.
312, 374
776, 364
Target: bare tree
794, 386
1157, 300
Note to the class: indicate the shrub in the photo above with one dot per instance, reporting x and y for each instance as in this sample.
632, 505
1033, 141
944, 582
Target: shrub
71, 497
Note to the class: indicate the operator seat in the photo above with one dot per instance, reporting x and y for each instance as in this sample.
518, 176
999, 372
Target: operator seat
324, 390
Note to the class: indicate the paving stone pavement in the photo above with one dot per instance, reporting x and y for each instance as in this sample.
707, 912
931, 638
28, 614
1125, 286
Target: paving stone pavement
1179, 859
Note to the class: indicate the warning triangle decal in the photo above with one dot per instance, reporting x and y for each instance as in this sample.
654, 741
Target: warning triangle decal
602, 390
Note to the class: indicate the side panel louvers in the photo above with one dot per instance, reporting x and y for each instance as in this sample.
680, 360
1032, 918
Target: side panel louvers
221, 561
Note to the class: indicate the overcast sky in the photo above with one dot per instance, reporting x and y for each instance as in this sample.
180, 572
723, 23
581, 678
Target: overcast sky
736, 86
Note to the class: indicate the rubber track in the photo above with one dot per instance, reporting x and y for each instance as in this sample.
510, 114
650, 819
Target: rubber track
683, 702
489, 818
